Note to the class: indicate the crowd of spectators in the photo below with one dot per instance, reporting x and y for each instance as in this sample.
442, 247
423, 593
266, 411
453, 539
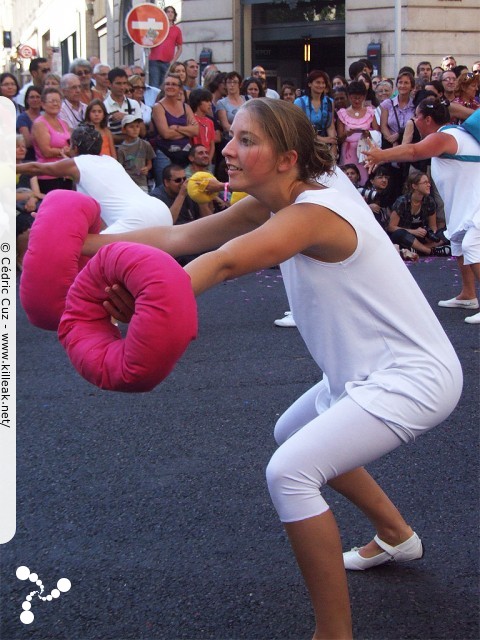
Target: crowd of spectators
180, 126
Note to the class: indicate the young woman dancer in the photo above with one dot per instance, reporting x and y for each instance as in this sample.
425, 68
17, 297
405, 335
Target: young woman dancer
390, 373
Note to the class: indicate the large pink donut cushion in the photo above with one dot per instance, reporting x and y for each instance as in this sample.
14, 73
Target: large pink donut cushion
162, 326
53, 258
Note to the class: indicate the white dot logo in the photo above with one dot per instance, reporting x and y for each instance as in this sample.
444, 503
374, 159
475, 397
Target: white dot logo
23, 573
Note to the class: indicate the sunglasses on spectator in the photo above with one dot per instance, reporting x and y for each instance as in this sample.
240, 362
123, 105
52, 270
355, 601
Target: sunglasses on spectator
45, 70
178, 180
82, 73
138, 86
142, 75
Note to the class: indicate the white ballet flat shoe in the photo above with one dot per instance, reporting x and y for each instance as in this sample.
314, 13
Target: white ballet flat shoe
454, 303
411, 549
473, 319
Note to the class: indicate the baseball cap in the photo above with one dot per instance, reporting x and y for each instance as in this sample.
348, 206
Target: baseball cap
130, 118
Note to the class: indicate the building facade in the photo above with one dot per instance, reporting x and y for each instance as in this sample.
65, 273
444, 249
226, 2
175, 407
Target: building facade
287, 37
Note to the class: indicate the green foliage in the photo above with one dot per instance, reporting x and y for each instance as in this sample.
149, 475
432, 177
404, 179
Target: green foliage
298, 11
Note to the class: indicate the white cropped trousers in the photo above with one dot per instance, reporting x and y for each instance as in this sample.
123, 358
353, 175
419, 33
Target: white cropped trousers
317, 448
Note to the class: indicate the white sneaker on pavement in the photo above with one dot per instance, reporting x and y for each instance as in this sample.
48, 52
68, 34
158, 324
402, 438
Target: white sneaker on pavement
286, 321
455, 303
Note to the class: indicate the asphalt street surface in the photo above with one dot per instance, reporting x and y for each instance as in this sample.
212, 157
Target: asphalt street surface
155, 505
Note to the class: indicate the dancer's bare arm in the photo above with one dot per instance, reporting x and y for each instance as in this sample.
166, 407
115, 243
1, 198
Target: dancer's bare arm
199, 236
431, 147
314, 230
459, 111
61, 169
300, 228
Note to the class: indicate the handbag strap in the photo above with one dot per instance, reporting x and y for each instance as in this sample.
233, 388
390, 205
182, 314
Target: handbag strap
396, 115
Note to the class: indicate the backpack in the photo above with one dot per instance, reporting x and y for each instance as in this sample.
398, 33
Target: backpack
471, 126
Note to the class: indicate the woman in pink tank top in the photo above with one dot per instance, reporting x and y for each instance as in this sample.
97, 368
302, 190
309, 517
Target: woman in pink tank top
51, 139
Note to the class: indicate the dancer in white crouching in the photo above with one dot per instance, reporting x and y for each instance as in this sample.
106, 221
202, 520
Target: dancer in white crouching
390, 372
123, 204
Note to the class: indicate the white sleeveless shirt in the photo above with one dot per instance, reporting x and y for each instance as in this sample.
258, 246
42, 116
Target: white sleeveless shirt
458, 183
369, 327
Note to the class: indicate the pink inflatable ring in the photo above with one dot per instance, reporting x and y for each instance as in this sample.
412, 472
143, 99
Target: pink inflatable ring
53, 258
162, 326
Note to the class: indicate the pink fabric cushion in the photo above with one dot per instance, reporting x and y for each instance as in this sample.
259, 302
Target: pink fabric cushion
163, 324
53, 258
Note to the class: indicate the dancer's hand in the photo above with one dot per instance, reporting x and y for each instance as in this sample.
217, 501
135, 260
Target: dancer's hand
214, 186
121, 303
372, 156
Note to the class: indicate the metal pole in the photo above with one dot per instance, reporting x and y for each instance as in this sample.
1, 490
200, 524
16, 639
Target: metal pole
398, 35
145, 59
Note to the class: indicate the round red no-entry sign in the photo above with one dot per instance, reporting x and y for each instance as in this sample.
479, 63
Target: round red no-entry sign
26, 51
147, 25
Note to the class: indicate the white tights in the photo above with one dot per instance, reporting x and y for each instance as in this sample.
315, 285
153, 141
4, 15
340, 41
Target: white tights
317, 448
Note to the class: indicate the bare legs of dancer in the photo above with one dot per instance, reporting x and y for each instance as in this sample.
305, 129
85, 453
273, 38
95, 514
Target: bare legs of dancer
360, 488
317, 547
468, 273
318, 550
